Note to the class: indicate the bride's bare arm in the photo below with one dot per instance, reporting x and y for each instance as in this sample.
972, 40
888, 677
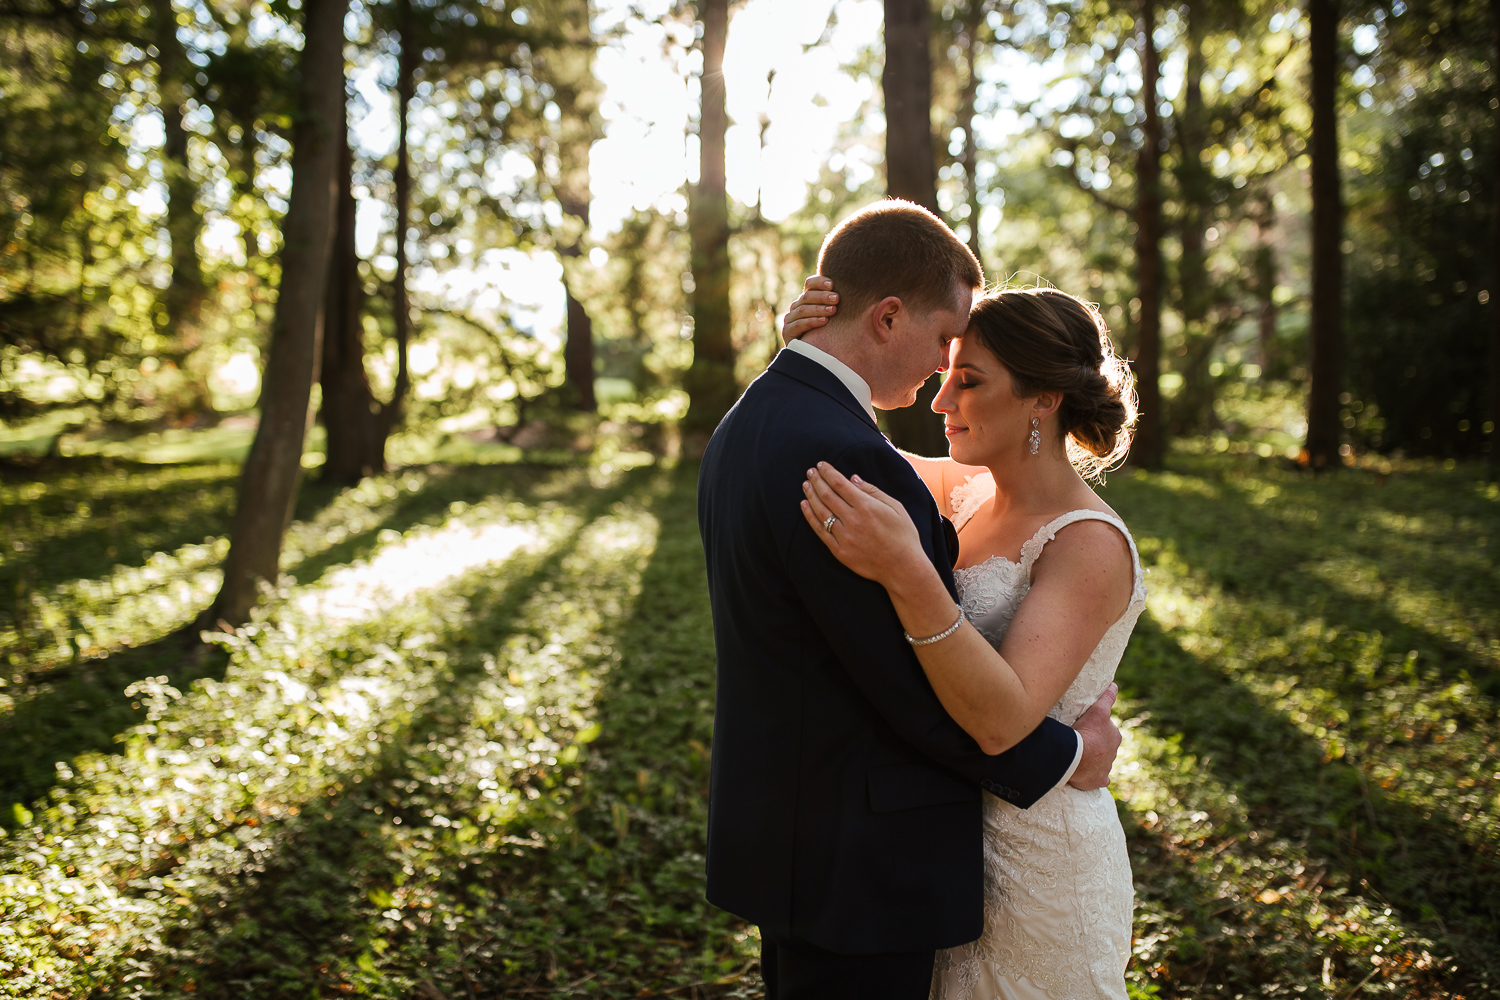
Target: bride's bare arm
1079, 589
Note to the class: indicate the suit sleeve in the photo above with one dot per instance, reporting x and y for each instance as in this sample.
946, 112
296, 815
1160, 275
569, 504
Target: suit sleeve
860, 623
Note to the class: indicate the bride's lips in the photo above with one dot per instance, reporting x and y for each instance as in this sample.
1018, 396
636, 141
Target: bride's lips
950, 430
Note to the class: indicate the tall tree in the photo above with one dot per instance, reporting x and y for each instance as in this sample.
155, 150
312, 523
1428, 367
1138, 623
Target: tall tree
1327, 335
406, 74
710, 381
911, 173
1192, 408
1264, 268
1494, 310
1147, 449
358, 424
575, 89
184, 296
973, 20
273, 469
353, 418
578, 348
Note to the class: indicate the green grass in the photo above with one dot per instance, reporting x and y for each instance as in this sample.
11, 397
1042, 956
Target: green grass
1312, 768
436, 766
496, 783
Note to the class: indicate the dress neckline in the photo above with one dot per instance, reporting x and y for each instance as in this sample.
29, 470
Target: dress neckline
1050, 529
976, 490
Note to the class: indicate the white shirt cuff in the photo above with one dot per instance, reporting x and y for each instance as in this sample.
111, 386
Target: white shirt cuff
1077, 759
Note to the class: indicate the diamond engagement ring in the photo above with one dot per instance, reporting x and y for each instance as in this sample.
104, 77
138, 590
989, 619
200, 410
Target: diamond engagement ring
828, 524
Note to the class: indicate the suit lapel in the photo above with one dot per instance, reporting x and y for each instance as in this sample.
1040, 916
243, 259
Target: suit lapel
807, 371
810, 373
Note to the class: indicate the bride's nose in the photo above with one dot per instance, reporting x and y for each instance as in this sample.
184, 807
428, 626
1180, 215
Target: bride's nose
943, 401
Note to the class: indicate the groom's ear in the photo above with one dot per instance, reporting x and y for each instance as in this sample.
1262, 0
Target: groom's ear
885, 316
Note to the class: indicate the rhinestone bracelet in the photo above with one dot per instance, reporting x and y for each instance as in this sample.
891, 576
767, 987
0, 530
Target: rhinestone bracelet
945, 633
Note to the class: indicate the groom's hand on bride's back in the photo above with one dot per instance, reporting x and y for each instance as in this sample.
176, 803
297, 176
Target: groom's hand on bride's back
1101, 742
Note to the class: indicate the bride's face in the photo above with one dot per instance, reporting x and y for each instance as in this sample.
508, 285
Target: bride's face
985, 421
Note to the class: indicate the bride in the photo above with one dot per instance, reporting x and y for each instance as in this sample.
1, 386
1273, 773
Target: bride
1036, 402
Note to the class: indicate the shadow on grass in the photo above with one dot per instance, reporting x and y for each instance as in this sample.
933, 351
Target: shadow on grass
134, 511
626, 892
80, 710
595, 888
304, 917
80, 707
1443, 880
1273, 551
426, 506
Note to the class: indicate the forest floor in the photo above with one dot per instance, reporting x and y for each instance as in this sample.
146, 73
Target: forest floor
464, 752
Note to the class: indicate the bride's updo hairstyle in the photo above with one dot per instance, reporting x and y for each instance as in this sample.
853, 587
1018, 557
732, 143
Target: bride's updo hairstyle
1051, 341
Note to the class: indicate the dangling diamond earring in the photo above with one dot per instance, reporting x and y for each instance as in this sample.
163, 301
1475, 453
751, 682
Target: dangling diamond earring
1035, 438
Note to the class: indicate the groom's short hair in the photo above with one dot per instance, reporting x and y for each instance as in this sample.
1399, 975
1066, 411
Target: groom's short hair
896, 248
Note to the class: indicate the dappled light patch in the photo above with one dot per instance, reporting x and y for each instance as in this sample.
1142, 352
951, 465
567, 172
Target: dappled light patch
468, 751
1311, 769
427, 767
411, 564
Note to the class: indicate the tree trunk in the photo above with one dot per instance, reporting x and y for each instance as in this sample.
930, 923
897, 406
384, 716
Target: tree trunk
358, 424
573, 198
1192, 409
1493, 442
351, 414
184, 297
1265, 280
273, 470
973, 18
910, 173
406, 72
1147, 449
578, 351
710, 380
1327, 346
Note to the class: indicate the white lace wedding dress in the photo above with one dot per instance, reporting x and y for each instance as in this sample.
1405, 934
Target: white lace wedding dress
1058, 896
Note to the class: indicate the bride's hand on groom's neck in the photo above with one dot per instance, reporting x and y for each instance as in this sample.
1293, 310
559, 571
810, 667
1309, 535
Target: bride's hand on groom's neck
1101, 742
811, 310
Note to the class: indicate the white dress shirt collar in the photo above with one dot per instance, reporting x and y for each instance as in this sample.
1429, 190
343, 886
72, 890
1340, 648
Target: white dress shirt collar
858, 387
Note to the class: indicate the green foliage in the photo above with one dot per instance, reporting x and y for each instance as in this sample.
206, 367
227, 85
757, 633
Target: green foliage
1311, 780
493, 782
1417, 318
469, 748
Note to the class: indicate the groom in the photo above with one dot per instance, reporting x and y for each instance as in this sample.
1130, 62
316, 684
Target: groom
844, 812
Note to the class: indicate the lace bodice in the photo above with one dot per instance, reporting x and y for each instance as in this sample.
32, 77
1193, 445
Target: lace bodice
992, 590
1058, 893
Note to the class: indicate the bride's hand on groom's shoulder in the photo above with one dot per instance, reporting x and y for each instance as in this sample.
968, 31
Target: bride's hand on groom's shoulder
865, 529
809, 310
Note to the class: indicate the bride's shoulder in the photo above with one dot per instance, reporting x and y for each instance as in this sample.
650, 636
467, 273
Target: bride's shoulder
942, 476
974, 487
1091, 541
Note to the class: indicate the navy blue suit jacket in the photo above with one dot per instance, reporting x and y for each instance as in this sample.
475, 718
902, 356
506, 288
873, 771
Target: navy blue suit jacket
844, 809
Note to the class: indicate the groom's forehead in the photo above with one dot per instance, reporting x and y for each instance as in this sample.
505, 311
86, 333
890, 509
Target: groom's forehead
964, 302
955, 311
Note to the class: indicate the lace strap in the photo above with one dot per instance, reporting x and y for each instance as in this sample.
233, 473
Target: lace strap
968, 496
1032, 549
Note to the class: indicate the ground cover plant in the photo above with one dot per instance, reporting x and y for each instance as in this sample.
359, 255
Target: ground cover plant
465, 753
1311, 789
